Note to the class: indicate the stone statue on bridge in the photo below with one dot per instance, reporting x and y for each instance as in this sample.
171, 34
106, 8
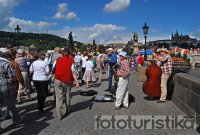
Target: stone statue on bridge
135, 37
70, 43
135, 44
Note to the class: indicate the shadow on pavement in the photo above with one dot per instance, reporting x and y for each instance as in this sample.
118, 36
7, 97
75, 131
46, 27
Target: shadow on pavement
198, 129
34, 121
151, 98
82, 106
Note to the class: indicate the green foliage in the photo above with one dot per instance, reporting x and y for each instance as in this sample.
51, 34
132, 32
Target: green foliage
41, 41
83, 47
185, 57
172, 55
102, 48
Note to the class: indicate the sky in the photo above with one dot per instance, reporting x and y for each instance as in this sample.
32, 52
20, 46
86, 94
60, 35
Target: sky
106, 21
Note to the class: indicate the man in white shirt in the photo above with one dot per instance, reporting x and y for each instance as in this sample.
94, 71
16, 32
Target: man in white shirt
84, 60
77, 59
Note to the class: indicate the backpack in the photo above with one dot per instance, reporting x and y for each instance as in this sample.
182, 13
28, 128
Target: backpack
104, 98
88, 93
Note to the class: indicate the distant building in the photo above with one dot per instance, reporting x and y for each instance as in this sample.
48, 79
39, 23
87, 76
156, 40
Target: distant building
176, 40
179, 38
117, 45
164, 41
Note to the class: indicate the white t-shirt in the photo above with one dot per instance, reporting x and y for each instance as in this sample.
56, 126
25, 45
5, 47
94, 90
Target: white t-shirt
84, 60
77, 59
89, 65
39, 69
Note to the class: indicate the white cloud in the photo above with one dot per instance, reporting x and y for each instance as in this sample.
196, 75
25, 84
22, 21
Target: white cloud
62, 13
6, 9
195, 34
28, 25
116, 6
102, 33
72, 16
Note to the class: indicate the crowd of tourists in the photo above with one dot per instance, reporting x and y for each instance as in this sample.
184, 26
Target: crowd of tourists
22, 71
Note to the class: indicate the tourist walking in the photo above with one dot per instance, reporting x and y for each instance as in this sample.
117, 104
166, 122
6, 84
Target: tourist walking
112, 60
22, 60
84, 60
19, 77
89, 75
64, 77
122, 87
54, 57
140, 60
78, 63
100, 63
7, 93
40, 71
132, 64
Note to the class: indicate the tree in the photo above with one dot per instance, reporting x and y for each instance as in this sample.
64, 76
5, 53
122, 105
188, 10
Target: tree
102, 48
83, 48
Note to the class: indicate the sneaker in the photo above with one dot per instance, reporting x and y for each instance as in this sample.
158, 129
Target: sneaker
160, 101
107, 89
7, 117
126, 107
41, 111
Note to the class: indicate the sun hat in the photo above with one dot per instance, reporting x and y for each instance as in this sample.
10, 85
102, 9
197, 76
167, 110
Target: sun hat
162, 50
20, 51
3, 50
122, 53
110, 49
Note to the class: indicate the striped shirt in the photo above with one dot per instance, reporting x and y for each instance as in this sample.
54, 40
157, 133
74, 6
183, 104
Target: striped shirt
6, 73
22, 61
166, 65
124, 68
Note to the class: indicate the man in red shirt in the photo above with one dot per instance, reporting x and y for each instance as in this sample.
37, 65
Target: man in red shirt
64, 78
140, 60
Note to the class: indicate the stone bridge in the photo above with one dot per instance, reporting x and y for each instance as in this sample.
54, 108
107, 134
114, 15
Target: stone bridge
195, 60
84, 113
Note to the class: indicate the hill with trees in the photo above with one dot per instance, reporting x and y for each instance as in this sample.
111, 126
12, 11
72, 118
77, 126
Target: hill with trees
42, 41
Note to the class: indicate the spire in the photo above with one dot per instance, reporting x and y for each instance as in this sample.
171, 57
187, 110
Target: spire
176, 34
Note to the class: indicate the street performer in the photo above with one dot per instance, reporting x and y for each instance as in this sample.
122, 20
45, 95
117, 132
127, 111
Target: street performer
122, 90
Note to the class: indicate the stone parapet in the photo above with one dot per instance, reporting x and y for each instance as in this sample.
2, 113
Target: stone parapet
187, 94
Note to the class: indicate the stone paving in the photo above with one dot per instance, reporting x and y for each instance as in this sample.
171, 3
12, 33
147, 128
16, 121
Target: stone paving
82, 119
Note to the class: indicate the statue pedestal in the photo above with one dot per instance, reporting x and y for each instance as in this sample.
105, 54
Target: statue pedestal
135, 49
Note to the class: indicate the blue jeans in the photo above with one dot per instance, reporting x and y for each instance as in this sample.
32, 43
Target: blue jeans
110, 79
